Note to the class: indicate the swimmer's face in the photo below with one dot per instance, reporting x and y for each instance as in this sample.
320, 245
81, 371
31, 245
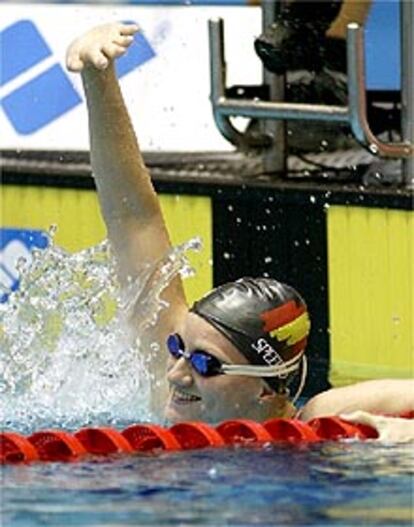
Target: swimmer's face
213, 399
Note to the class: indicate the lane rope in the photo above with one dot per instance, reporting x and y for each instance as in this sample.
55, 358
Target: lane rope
58, 445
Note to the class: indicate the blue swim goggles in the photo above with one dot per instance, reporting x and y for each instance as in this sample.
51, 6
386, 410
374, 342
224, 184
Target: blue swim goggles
207, 365
202, 362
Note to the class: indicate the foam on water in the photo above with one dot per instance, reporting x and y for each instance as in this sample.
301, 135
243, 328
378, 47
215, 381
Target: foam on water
68, 356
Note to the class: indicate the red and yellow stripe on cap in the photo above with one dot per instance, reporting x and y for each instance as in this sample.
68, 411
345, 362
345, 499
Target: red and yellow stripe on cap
288, 323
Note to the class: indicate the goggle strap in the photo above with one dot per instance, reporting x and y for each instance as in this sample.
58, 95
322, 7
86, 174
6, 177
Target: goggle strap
302, 379
263, 371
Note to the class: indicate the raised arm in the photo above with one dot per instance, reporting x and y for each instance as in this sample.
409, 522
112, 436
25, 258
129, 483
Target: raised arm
129, 204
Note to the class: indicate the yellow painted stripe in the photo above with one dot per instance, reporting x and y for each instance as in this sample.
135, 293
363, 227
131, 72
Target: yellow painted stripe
76, 213
371, 293
294, 331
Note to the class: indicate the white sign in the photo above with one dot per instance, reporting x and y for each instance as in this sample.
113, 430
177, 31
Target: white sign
166, 86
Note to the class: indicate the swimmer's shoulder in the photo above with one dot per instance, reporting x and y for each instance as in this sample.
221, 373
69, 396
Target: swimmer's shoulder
382, 396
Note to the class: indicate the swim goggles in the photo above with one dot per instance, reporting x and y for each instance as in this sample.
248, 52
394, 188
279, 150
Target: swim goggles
207, 365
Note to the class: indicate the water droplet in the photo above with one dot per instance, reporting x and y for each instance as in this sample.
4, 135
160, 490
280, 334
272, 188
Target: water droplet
155, 347
373, 148
21, 265
212, 473
52, 230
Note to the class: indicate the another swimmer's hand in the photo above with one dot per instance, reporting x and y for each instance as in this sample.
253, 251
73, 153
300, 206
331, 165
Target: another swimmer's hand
100, 46
390, 429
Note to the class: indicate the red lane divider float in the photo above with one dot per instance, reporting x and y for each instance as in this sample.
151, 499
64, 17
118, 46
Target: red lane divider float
196, 435
243, 431
103, 441
336, 428
291, 430
56, 445
144, 438
15, 448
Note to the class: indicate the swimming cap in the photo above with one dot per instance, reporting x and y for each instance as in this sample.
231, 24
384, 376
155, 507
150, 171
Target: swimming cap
267, 321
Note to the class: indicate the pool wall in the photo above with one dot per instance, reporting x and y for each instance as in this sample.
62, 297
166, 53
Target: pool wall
371, 292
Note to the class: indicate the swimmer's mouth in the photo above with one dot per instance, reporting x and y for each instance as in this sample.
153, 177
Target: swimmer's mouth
180, 397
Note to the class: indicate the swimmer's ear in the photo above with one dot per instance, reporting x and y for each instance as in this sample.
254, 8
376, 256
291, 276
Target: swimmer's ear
267, 394
275, 404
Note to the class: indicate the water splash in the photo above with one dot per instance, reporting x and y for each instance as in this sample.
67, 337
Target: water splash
68, 356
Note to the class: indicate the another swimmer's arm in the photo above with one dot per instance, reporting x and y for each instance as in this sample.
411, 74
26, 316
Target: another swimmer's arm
385, 396
128, 201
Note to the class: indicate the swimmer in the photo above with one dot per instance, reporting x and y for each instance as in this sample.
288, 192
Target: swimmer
235, 352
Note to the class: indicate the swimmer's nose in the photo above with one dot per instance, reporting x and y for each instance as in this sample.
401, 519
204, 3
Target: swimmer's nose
179, 373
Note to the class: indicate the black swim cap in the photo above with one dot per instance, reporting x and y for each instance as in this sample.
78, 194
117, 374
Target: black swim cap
267, 321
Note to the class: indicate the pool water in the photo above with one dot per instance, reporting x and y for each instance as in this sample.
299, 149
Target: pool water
332, 483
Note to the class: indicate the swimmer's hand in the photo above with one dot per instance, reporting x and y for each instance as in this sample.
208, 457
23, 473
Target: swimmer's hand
390, 429
100, 46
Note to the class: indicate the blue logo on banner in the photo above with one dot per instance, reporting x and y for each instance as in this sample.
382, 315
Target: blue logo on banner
49, 94
14, 245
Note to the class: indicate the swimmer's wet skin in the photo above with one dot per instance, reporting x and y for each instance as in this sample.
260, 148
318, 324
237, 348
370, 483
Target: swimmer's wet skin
256, 329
